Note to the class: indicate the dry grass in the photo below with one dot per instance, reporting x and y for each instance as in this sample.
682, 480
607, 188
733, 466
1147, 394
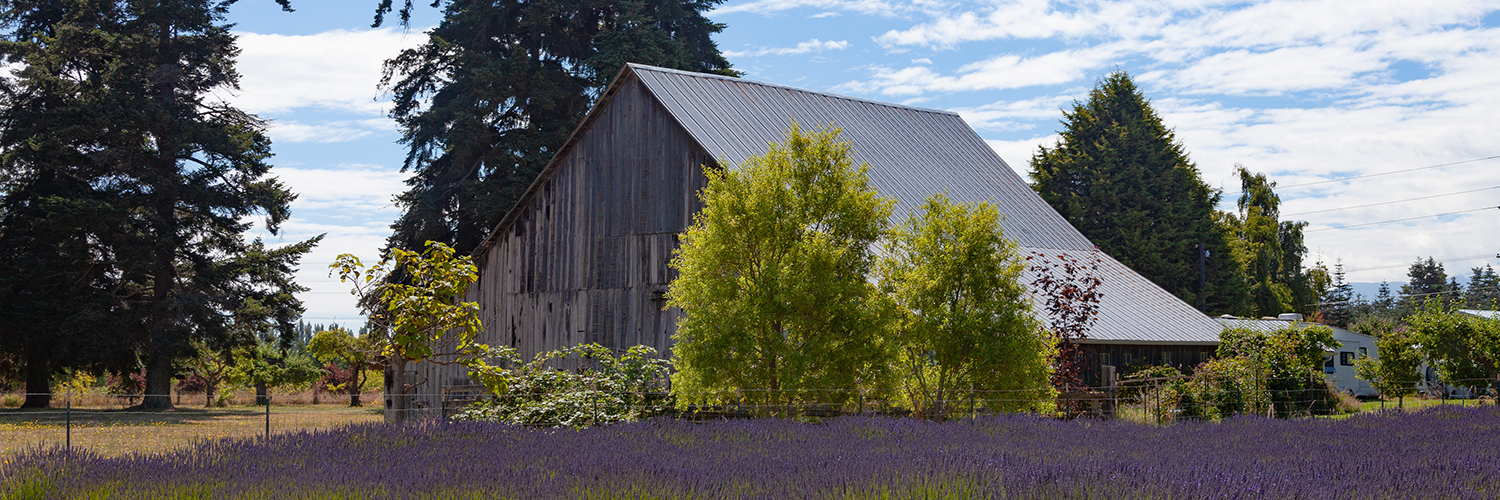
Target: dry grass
117, 432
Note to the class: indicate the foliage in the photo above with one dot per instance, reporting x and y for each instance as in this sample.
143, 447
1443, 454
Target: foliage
1426, 279
774, 280
123, 98
1444, 452
1070, 290
421, 318
1339, 299
356, 353
1120, 176
1394, 371
498, 87
966, 319
1271, 251
1286, 366
1465, 349
1484, 289
610, 389
267, 365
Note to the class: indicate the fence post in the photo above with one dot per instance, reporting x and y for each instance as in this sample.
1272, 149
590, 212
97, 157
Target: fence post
69, 424
268, 415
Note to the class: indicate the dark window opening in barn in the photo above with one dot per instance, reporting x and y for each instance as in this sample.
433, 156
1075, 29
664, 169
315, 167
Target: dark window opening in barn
1128, 359
1363, 353
1103, 359
1202, 356
1166, 358
514, 341
1346, 358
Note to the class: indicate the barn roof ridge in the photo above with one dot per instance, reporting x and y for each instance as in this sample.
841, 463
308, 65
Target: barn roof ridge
658, 69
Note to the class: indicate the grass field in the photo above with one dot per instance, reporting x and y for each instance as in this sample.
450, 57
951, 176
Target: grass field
119, 432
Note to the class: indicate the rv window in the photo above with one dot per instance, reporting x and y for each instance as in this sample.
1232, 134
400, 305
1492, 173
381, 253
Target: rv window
1346, 358
1328, 363
1363, 353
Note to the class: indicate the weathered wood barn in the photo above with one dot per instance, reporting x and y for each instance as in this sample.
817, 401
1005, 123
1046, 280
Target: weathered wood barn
583, 256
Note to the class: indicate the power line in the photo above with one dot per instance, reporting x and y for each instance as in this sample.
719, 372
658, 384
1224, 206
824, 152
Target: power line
1442, 261
1390, 202
1400, 220
1352, 177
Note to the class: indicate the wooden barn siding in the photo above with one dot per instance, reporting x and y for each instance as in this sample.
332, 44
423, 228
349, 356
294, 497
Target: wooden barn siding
587, 259
1184, 357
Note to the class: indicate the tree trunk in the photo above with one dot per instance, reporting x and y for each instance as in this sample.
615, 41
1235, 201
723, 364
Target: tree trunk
158, 382
208, 393
354, 386
38, 379
395, 391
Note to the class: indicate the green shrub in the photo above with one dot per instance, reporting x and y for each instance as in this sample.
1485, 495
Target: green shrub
610, 389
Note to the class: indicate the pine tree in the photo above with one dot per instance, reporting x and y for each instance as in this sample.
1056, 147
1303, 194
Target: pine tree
1120, 176
500, 85
182, 166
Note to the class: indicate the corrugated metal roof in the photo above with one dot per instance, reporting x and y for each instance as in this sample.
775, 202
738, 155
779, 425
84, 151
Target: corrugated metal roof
1132, 309
912, 152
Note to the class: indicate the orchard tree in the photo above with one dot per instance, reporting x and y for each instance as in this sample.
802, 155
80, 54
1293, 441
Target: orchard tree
1394, 371
1465, 349
358, 353
1121, 177
966, 320
499, 86
774, 286
420, 317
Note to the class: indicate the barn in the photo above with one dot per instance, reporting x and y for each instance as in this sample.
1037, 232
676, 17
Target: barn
583, 256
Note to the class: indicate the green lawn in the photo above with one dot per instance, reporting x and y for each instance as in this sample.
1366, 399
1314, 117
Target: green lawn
119, 432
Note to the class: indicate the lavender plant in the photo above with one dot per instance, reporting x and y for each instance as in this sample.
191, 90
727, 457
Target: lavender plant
1450, 452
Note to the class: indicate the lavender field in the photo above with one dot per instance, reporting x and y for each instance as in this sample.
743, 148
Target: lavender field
1439, 453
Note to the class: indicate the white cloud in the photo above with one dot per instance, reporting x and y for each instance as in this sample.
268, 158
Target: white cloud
995, 73
334, 70
334, 131
813, 45
768, 7
365, 190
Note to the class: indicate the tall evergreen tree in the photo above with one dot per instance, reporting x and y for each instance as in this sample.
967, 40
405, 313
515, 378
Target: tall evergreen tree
1426, 278
1121, 177
1339, 301
1484, 288
499, 86
184, 167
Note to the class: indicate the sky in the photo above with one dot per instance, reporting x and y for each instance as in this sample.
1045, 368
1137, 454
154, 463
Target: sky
1362, 112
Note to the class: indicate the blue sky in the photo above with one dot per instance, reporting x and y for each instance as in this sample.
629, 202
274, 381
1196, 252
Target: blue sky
1306, 91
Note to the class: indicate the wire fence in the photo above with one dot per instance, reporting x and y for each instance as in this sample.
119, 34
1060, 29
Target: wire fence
116, 424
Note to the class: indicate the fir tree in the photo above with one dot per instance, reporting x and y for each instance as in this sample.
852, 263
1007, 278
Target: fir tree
1426, 278
1338, 302
180, 169
500, 85
1121, 177
1484, 289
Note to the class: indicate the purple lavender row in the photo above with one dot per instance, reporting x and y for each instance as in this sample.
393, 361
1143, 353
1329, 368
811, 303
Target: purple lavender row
1439, 453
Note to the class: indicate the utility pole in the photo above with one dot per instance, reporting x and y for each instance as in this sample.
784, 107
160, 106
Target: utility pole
1203, 278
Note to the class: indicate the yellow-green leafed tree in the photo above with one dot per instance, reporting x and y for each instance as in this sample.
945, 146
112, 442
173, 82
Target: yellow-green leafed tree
774, 281
967, 335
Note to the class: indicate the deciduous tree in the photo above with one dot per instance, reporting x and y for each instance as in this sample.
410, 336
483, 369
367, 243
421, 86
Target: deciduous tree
774, 280
358, 353
418, 318
966, 318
